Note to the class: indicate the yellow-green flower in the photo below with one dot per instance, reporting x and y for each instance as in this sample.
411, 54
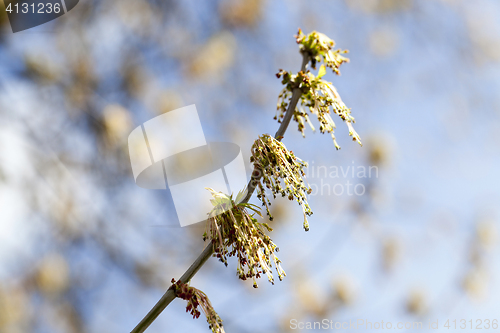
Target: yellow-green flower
282, 173
233, 231
318, 97
319, 46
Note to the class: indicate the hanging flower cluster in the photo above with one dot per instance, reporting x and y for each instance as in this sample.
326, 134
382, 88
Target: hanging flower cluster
234, 231
282, 173
319, 96
318, 46
195, 298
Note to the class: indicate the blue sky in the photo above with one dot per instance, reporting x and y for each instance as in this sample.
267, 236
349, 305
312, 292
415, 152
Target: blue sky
422, 84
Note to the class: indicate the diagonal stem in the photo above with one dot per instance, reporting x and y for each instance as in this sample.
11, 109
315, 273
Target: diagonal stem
293, 103
296, 93
169, 295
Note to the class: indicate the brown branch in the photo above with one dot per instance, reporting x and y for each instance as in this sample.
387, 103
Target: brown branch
169, 295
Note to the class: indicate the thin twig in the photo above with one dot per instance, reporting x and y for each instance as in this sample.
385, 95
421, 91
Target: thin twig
169, 295
256, 174
293, 103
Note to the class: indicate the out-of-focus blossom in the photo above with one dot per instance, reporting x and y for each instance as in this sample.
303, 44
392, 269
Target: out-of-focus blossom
138, 16
117, 122
241, 13
214, 57
483, 33
344, 290
379, 6
41, 68
309, 298
380, 150
417, 302
168, 100
391, 252
486, 234
52, 276
475, 282
14, 308
384, 41
135, 78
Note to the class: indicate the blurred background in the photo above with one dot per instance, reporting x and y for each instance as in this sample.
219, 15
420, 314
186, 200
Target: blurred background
84, 249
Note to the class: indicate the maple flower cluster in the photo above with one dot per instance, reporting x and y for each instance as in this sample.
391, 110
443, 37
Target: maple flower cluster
319, 47
234, 231
195, 298
282, 173
318, 96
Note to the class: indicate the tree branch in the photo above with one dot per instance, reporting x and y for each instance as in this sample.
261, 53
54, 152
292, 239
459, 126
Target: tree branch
169, 295
293, 103
256, 174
